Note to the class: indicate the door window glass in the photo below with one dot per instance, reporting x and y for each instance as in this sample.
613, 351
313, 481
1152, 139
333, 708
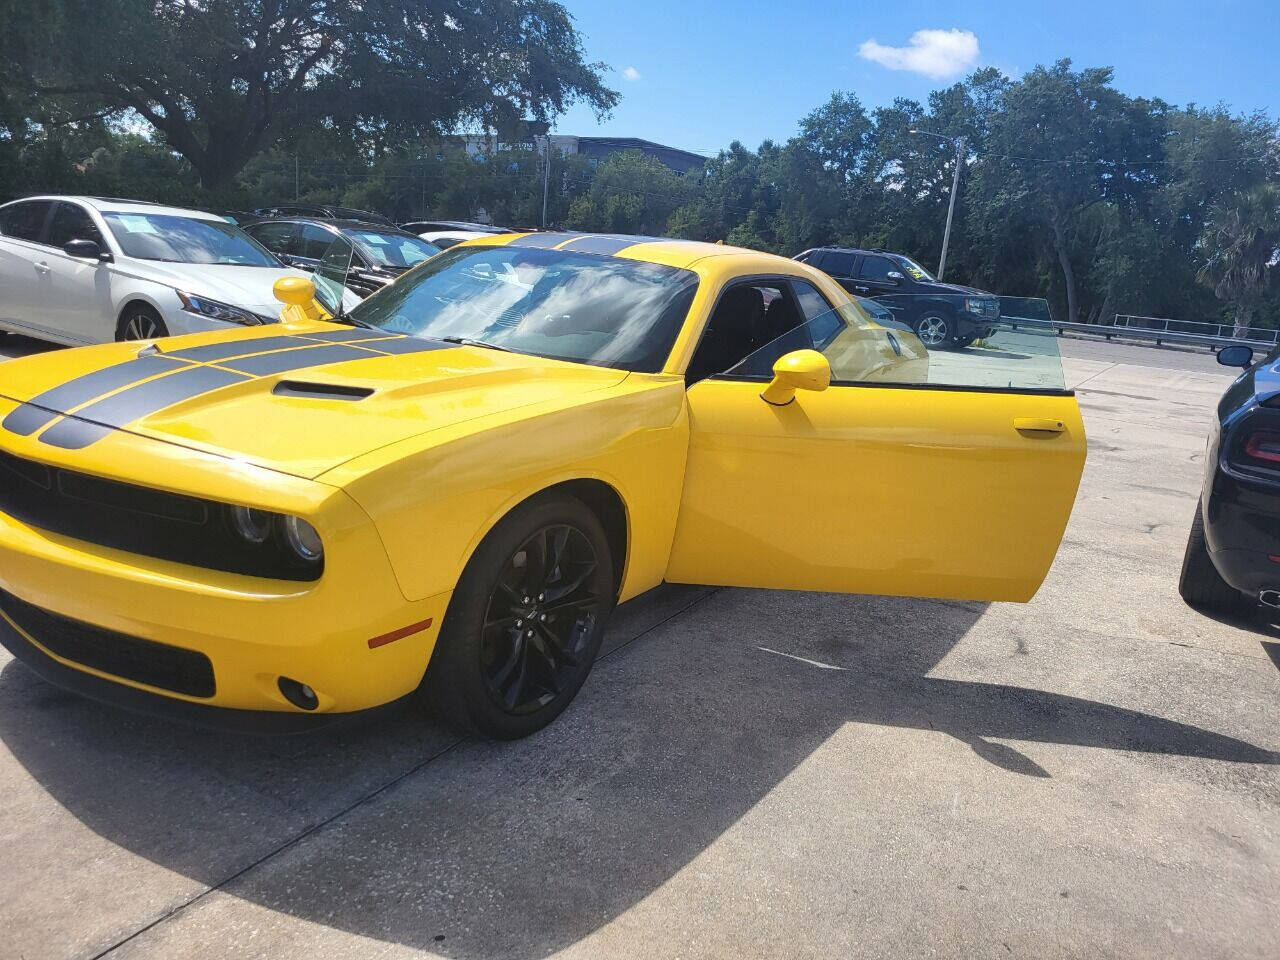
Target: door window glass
72, 222
25, 221
1014, 350
837, 264
313, 241
877, 269
274, 236
748, 316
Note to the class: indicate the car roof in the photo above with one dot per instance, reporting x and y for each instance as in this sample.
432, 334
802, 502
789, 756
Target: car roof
116, 205
441, 225
661, 250
338, 223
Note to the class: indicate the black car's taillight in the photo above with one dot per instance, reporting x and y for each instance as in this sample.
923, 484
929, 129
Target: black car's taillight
1263, 445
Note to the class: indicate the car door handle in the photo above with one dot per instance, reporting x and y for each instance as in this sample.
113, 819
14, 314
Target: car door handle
1038, 425
41, 267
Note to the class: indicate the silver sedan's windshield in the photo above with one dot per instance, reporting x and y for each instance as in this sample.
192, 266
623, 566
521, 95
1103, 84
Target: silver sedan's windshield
592, 309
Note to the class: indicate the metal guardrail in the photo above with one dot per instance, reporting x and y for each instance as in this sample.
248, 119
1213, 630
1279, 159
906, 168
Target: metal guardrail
1214, 341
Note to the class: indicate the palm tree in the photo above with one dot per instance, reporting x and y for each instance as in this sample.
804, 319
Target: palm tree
1241, 241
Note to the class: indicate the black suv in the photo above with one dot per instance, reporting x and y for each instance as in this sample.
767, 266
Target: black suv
941, 314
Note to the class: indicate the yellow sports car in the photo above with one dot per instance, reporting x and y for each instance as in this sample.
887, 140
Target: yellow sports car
444, 493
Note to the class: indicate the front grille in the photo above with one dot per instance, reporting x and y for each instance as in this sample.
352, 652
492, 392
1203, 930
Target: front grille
131, 658
136, 519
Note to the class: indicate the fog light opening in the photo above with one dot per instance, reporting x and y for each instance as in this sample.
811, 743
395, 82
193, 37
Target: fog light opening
299, 694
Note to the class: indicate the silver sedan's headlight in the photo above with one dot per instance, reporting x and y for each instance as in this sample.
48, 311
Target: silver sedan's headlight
217, 310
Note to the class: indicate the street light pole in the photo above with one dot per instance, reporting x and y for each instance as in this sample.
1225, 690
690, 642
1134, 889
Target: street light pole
546, 178
951, 208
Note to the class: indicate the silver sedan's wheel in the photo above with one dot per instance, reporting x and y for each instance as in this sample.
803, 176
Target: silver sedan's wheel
933, 330
140, 323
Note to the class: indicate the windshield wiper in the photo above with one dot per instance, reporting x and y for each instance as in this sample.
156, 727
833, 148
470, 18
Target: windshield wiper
472, 342
347, 318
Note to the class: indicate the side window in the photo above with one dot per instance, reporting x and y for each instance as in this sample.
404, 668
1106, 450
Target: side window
822, 321
838, 264
313, 241
72, 222
25, 221
743, 322
274, 236
877, 268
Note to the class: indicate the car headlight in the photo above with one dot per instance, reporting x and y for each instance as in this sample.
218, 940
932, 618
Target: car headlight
290, 540
972, 305
217, 310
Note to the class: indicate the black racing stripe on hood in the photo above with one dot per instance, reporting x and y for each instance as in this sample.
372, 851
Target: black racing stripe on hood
348, 336
266, 364
213, 352
406, 345
138, 401
542, 241
82, 389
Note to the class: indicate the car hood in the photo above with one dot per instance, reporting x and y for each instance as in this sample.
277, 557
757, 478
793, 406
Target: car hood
247, 287
296, 399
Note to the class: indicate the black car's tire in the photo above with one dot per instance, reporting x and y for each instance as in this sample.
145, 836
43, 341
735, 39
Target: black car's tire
522, 632
935, 330
140, 322
1200, 584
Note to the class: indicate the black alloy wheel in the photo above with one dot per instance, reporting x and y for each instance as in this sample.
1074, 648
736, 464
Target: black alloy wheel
525, 622
540, 619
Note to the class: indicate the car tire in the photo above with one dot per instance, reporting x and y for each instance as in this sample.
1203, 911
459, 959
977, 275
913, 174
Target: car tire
1200, 584
140, 322
514, 650
935, 331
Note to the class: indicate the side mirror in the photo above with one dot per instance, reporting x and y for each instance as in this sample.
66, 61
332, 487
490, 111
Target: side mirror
1236, 356
298, 294
797, 370
895, 276
84, 250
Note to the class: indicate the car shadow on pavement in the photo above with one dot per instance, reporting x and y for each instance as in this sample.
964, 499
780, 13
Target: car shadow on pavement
517, 850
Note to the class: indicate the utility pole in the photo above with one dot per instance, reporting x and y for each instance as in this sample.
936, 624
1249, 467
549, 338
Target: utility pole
951, 207
546, 177
295, 177
955, 188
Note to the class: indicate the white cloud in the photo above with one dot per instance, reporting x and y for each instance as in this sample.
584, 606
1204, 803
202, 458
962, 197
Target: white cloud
630, 73
935, 53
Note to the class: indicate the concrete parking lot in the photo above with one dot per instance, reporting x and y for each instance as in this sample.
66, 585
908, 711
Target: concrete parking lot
746, 773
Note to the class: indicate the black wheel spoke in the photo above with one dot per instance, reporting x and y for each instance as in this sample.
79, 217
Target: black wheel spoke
559, 649
542, 607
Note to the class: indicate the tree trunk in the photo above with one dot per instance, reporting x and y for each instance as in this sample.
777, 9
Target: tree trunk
1244, 314
1068, 274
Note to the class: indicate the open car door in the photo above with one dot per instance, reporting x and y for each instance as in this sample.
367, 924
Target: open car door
945, 474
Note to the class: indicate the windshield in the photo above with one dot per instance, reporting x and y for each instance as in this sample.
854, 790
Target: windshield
551, 303
393, 249
910, 267
156, 236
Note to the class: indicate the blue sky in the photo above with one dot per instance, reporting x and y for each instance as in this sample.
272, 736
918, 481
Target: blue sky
700, 73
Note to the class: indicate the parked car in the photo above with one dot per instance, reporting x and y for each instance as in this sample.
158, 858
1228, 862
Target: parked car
380, 253
1232, 560
448, 233
941, 314
79, 270
325, 211
445, 497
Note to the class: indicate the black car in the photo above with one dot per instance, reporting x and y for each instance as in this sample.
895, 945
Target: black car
324, 211
941, 314
1233, 550
379, 253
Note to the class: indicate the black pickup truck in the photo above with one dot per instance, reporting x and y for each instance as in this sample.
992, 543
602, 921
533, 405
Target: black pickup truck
942, 314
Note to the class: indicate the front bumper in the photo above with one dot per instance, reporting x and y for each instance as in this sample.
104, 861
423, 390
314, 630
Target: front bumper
139, 699
252, 630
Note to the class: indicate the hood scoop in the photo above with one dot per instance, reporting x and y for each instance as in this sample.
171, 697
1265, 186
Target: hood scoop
320, 391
